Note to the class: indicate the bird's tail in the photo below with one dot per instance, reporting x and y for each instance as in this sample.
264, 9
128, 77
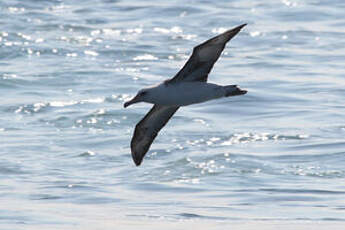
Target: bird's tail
233, 90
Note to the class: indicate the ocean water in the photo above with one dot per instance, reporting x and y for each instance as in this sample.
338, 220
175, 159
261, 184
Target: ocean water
273, 158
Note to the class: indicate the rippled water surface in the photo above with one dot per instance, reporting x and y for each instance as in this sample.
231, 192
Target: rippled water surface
272, 158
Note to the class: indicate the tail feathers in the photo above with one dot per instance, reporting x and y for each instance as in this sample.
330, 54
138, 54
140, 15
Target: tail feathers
233, 90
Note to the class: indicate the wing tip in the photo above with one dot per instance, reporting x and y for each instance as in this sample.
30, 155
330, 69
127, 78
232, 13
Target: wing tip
229, 34
236, 29
137, 163
241, 26
137, 159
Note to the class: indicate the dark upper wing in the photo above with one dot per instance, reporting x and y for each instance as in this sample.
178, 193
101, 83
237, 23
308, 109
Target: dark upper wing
203, 57
147, 129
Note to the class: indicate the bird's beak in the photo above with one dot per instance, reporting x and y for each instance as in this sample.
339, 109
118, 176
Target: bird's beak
136, 99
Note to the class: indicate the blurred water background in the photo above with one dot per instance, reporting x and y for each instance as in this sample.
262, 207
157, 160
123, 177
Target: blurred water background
274, 157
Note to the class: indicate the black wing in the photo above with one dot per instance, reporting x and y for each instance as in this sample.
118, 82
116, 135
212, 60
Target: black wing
203, 58
147, 129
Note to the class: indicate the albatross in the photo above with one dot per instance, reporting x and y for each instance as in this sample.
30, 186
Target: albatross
188, 86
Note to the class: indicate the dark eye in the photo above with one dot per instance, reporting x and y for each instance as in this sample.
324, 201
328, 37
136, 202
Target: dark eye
143, 93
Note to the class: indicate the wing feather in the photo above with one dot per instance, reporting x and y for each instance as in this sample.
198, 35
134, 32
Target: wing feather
203, 58
147, 129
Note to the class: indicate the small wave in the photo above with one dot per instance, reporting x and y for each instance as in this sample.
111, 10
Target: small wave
11, 170
42, 106
196, 168
219, 30
252, 137
313, 171
60, 103
174, 29
87, 154
90, 53
145, 57
242, 138
32, 108
119, 97
197, 216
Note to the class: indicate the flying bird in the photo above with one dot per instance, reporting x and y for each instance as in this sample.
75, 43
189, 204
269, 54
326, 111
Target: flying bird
188, 86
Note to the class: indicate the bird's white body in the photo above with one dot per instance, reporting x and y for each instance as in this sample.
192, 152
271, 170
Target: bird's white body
184, 93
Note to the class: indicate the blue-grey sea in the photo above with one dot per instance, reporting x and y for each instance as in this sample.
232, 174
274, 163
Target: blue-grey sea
271, 159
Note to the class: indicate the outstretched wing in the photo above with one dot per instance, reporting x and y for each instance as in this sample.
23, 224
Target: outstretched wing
203, 58
147, 129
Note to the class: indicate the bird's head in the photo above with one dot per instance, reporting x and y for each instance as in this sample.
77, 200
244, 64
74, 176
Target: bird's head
141, 96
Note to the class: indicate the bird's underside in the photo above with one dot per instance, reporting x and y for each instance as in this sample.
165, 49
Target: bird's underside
196, 69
